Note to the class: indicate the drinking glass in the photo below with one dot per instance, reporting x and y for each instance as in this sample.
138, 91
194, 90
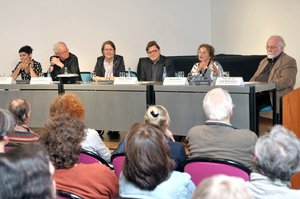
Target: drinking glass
180, 73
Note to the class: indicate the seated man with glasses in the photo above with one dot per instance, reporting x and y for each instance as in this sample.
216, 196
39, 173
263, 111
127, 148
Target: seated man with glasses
152, 68
63, 61
277, 67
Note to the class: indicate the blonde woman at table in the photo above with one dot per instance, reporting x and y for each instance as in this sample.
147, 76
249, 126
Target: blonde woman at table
27, 67
109, 65
206, 68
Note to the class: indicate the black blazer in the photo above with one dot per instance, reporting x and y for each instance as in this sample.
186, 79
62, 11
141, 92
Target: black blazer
144, 69
118, 66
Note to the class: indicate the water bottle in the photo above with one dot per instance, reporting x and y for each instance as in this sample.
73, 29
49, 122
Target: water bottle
66, 70
129, 72
164, 73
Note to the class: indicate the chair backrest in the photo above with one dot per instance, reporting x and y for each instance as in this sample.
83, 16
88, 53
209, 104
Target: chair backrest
117, 161
66, 195
201, 168
88, 157
290, 120
86, 76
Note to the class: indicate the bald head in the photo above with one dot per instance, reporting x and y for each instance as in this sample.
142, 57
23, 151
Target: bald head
20, 109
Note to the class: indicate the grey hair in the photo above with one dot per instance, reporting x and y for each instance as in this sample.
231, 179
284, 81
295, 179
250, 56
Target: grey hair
217, 104
222, 187
7, 123
157, 116
278, 154
280, 39
58, 45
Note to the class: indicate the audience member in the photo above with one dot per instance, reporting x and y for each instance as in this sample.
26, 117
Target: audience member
277, 67
148, 169
109, 65
158, 117
277, 158
217, 138
63, 60
207, 68
222, 187
27, 67
62, 137
152, 68
7, 124
26, 172
21, 110
70, 104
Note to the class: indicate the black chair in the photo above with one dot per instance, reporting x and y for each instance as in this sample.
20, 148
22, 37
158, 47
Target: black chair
88, 157
66, 195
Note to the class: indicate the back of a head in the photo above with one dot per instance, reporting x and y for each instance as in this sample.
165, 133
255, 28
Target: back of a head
7, 123
25, 173
62, 137
157, 116
20, 109
278, 154
217, 105
148, 161
67, 103
222, 187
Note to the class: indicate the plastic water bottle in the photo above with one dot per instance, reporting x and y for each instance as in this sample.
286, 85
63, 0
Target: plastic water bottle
164, 73
66, 70
129, 72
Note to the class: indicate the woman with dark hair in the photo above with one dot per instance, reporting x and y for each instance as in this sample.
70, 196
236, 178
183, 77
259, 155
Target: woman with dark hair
148, 169
206, 68
158, 117
62, 137
27, 67
109, 65
26, 172
21, 111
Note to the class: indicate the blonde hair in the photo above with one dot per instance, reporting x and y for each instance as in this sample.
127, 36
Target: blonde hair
157, 116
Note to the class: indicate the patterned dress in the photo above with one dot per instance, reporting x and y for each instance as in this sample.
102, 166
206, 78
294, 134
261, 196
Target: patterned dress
36, 67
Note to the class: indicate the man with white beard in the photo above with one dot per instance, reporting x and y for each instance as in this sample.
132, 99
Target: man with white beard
277, 67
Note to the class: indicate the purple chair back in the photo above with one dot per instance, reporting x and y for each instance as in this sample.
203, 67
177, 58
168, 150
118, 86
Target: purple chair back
201, 168
117, 161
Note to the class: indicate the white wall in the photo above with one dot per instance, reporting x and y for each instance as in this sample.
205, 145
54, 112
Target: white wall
243, 26
85, 24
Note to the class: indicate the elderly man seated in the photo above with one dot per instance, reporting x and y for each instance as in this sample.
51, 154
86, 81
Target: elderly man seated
277, 158
217, 138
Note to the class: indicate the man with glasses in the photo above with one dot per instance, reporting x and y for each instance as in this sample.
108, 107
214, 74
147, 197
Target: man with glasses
63, 61
152, 68
277, 67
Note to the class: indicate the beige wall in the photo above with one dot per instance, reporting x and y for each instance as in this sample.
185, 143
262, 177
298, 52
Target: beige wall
85, 24
243, 26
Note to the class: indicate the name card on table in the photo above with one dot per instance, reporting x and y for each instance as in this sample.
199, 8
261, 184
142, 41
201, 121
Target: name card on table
41, 80
125, 80
229, 81
180, 81
5, 80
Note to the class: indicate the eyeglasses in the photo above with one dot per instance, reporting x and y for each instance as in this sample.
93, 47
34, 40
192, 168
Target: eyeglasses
271, 47
151, 52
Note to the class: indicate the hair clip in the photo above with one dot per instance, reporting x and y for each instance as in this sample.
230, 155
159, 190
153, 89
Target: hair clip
154, 114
